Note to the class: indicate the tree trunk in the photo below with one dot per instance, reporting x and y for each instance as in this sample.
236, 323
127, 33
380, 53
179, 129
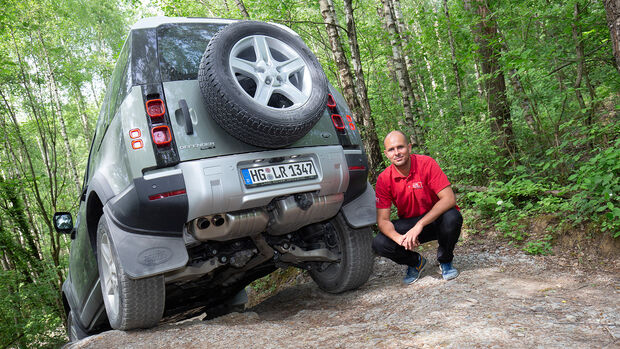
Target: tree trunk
582, 71
401, 73
241, 7
579, 57
530, 112
418, 32
63, 127
412, 72
612, 8
81, 107
370, 134
455, 66
486, 36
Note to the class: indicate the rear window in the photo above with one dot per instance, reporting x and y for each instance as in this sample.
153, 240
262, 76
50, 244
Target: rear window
180, 48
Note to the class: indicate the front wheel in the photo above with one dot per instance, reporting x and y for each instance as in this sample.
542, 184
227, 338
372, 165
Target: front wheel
356, 258
129, 303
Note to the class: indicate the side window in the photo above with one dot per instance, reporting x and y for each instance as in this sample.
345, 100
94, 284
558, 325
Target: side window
118, 86
117, 91
87, 174
101, 122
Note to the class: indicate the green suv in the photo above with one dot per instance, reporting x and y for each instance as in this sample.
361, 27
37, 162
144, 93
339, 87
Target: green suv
221, 153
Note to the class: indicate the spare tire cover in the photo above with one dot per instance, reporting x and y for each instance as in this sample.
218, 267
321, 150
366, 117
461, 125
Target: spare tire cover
262, 84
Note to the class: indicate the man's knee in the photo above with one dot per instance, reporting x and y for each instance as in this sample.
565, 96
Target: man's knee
382, 245
452, 220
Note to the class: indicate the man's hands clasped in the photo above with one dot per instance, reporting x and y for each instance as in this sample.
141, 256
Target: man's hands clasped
410, 240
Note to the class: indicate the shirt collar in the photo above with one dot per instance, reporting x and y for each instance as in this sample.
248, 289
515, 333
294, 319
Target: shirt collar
396, 176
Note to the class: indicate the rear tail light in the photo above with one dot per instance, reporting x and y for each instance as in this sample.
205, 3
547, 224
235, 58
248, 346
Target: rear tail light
161, 134
155, 108
168, 194
338, 122
160, 129
357, 168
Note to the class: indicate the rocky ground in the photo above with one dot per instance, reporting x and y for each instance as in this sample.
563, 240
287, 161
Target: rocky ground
503, 298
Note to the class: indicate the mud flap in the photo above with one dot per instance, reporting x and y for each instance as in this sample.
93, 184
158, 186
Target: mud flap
361, 212
144, 255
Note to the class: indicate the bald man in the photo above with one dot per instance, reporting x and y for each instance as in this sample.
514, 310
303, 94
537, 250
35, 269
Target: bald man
426, 207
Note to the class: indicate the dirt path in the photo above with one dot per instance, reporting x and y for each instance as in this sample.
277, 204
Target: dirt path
503, 298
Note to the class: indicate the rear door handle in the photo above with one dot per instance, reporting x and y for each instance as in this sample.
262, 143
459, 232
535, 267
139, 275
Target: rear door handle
189, 127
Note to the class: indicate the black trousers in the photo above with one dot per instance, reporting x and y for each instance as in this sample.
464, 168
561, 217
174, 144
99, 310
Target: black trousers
446, 229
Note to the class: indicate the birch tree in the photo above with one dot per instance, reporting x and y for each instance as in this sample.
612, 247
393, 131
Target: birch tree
371, 143
404, 83
348, 84
455, 65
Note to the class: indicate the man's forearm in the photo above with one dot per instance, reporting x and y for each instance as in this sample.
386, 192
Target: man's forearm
445, 203
387, 228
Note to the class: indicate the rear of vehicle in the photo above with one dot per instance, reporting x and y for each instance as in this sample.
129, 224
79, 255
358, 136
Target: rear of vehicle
227, 156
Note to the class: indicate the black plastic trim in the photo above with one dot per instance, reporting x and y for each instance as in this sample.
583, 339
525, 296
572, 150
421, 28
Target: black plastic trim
134, 212
144, 61
357, 178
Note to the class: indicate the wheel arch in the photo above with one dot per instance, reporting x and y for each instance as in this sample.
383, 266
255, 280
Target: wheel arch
65, 303
99, 192
94, 211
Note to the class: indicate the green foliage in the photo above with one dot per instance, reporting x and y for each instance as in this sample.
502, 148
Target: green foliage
542, 246
596, 186
28, 311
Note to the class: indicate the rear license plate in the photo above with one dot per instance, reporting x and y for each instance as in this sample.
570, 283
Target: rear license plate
281, 173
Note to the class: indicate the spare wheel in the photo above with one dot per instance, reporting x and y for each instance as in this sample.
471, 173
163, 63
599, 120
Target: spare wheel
262, 84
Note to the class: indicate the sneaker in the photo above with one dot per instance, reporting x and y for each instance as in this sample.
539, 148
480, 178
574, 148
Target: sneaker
448, 271
413, 273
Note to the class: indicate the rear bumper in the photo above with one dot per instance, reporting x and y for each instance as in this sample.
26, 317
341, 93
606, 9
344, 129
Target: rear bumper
215, 185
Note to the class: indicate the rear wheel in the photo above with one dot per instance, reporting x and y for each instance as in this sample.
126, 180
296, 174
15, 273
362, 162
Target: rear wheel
356, 258
129, 303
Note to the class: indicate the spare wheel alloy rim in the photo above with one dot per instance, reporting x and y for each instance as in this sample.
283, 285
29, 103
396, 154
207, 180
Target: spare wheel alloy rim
110, 277
270, 72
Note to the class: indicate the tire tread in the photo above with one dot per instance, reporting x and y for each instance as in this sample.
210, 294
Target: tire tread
141, 301
357, 261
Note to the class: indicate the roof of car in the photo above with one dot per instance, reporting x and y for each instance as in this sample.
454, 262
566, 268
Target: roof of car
153, 22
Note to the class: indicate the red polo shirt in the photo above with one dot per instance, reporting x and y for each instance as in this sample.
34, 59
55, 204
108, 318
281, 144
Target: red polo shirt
415, 194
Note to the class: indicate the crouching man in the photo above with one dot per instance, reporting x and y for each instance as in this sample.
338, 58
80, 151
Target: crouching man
426, 207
